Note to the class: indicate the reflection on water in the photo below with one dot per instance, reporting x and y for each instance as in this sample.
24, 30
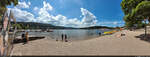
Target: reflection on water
72, 34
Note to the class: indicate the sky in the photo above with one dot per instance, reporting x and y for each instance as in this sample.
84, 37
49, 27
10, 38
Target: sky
70, 13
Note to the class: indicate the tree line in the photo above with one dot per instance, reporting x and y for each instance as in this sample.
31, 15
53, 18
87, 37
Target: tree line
135, 12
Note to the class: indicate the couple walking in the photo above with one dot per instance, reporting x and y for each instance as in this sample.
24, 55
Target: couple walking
64, 37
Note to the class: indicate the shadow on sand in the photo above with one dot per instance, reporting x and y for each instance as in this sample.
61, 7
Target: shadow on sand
142, 37
16, 41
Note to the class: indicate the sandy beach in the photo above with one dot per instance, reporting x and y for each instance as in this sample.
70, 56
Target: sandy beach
108, 45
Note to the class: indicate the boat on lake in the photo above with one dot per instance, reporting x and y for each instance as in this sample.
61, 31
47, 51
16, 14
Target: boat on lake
49, 30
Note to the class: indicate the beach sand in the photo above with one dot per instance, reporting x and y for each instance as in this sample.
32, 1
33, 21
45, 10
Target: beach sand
108, 45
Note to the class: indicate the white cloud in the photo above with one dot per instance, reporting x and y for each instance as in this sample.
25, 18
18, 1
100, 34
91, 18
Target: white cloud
23, 5
22, 15
88, 18
29, 3
80, 16
47, 6
115, 23
44, 16
35, 8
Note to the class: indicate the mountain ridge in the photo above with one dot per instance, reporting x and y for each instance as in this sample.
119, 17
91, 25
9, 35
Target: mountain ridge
35, 25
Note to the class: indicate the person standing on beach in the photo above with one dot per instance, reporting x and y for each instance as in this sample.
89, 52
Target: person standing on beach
23, 38
27, 37
99, 33
66, 38
122, 33
62, 36
56, 39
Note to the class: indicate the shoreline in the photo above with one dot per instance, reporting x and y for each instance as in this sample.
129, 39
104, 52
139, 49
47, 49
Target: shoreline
102, 46
70, 39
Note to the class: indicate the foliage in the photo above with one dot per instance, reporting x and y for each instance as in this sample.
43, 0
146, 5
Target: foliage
17, 25
5, 3
135, 11
97, 27
143, 9
128, 5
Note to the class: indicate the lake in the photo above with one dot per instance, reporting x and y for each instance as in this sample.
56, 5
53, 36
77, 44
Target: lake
72, 34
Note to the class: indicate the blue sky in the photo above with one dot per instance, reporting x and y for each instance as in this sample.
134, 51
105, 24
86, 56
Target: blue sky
70, 13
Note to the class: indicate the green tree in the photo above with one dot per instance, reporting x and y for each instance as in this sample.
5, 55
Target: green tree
142, 10
129, 8
128, 5
17, 25
5, 3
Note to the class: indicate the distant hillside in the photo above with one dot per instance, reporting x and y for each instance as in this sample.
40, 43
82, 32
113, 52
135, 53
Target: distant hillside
98, 27
33, 25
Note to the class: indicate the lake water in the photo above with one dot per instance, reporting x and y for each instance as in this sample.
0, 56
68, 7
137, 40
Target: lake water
72, 34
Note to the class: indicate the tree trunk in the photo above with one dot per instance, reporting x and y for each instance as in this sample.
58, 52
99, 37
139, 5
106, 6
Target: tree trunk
145, 29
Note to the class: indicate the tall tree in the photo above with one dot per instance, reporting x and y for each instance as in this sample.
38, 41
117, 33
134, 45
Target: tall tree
142, 10
128, 7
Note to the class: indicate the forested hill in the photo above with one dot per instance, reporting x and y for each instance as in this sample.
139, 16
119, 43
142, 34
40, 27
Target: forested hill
33, 25
97, 27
